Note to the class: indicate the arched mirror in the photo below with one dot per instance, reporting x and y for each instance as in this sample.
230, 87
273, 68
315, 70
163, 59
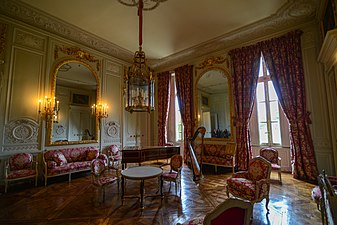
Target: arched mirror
213, 101
76, 87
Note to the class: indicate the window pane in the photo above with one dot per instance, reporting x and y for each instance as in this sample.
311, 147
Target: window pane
261, 112
276, 132
263, 133
261, 69
260, 92
272, 92
274, 111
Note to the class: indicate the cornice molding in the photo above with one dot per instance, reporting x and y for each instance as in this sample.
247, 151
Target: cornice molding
37, 18
294, 12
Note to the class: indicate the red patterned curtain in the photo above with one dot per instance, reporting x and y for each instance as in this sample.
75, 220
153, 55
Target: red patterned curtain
283, 58
163, 105
245, 66
184, 85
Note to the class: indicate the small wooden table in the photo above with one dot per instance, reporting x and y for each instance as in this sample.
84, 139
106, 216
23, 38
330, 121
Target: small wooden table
141, 173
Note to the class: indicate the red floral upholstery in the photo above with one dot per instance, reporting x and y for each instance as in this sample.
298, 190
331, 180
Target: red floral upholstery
252, 185
20, 166
231, 211
114, 158
98, 176
271, 155
217, 155
174, 175
67, 161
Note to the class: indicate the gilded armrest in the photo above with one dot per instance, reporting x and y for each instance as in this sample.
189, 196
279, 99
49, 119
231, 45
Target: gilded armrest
279, 161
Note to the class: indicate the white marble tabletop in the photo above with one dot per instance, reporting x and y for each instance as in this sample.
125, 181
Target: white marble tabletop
142, 172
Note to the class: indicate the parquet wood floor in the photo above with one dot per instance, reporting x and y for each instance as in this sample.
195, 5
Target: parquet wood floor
80, 203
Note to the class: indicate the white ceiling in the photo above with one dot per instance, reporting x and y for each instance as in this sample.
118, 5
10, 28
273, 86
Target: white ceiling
174, 26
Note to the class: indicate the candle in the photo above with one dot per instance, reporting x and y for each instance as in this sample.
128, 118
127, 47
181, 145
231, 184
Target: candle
57, 105
40, 102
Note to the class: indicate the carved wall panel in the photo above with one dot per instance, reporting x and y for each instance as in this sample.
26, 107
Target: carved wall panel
29, 40
21, 134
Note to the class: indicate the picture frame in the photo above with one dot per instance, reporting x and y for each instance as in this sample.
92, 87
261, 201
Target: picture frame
204, 100
80, 99
329, 18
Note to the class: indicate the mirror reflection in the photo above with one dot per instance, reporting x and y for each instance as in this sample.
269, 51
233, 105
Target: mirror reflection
214, 111
76, 91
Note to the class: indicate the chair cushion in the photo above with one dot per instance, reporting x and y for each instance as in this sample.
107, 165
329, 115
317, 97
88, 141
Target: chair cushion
275, 166
170, 175
105, 180
235, 215
20, 161
242, 187
59, 158
51, 164
21, 173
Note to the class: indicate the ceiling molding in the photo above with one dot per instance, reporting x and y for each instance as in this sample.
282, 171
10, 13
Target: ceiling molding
37, 18
294, 12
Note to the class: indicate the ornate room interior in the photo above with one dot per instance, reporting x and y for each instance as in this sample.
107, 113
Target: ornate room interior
74, 78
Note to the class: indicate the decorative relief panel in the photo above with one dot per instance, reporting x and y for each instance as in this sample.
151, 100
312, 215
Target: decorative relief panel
29, 40
111, 132
21, 131
112, 68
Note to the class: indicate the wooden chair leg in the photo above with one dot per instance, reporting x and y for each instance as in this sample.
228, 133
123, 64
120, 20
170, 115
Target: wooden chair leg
267, 202
279, 176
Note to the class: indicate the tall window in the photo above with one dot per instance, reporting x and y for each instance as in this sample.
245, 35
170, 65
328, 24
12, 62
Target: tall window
175, 126
267, 109
178, 122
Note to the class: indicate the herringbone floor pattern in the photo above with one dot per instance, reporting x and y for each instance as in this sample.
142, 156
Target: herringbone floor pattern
80, 203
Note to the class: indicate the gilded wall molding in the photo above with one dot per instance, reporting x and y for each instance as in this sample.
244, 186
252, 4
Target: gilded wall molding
77, 53
37, 18
212, 61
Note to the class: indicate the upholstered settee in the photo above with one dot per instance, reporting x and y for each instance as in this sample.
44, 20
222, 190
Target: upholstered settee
67, 161
217, 155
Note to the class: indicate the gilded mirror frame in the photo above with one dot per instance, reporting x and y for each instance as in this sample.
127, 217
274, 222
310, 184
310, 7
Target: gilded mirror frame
54, 73
209, 64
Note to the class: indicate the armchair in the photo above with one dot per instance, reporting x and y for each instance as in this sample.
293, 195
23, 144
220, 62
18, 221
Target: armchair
271, 155
328, 200
98, 176
252, 185
174, 175
114, 157
20, 166
232, 212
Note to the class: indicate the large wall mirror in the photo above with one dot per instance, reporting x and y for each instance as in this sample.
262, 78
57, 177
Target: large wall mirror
213, 101
76, 86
